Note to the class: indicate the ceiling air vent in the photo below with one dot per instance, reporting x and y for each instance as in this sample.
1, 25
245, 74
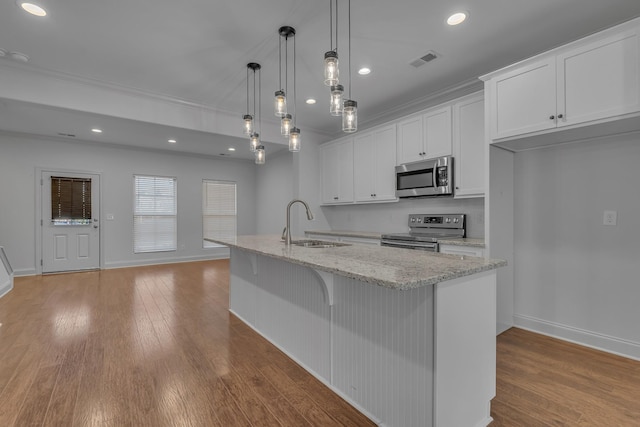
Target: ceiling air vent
427, 57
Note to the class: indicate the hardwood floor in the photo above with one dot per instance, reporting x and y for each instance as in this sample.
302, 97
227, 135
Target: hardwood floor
156, 346
543, 381
148, 346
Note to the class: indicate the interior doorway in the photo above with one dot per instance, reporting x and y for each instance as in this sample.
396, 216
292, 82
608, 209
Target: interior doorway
70, 215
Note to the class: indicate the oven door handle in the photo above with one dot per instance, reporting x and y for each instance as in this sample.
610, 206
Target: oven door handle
412, 245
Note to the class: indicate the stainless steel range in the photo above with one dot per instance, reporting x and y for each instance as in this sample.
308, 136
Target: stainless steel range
425, 230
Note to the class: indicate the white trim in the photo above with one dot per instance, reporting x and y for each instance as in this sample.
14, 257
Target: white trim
159, 261
603, 342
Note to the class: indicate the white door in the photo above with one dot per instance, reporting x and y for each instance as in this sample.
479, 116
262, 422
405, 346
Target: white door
70, 227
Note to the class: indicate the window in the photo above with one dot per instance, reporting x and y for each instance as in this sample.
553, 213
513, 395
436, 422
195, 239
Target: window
154, 214
70, 200
218, 210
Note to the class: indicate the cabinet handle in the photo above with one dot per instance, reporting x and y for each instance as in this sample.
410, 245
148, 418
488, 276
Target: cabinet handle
335, 198
552, 117
559, 116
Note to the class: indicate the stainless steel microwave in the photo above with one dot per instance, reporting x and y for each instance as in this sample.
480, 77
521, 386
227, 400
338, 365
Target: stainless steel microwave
425, 178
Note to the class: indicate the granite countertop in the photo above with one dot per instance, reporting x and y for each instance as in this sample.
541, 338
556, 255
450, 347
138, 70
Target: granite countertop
393, 268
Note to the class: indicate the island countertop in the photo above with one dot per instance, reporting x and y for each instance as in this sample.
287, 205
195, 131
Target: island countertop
393, 268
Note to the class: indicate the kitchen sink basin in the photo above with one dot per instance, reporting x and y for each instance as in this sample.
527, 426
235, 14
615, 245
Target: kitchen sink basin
318, 244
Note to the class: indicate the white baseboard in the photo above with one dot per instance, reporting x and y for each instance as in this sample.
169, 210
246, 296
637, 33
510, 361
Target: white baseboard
607, 343
5, 290
141, 263
24, 272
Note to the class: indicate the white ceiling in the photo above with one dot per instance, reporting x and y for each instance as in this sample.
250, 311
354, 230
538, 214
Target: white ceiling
197, 51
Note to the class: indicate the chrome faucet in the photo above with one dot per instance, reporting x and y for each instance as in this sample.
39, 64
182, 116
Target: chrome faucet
287, 230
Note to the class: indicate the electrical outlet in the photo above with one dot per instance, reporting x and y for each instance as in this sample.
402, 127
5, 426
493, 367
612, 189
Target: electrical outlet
610, 218
110, 217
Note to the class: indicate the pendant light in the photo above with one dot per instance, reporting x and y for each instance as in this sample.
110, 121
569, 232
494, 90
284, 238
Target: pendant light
331, 71
294, 134
248, 118
254, 138
285, 125
280, 102
260, 155
335, 103
350, 107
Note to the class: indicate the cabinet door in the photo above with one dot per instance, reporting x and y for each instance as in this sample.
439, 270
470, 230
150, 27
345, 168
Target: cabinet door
599, 80
364, 167
468, 147
524, 100
329, 170
337, 172
410, 140
437, 133
385, 162
345, 171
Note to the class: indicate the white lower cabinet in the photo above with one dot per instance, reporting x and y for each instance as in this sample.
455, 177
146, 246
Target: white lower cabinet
461, 250
374, 164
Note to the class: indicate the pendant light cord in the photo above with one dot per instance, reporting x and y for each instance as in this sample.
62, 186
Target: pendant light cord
280, 60
286, 64
349, 19
259, 101
294, 82
247, 89
330, 24
336, 26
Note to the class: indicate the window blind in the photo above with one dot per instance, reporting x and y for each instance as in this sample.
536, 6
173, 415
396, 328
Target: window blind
70, 200
155, 214
219, 216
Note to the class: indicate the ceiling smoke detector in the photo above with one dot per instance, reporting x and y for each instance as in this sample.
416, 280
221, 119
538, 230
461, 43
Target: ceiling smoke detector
427, 57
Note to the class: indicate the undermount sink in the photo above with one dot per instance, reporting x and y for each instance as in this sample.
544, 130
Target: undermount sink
318, 244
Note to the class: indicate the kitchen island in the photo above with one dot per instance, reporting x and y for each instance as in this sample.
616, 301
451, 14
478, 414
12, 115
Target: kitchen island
407, 337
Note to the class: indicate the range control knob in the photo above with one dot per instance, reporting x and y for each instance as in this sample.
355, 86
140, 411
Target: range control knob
456, 220
448, 220
413, 220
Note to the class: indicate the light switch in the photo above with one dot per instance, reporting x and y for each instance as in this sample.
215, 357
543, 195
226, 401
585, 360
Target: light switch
109, 217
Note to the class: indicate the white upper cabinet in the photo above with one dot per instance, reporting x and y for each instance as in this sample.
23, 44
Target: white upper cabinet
337, 171
469, 146
374, 165
588, 81
425, 136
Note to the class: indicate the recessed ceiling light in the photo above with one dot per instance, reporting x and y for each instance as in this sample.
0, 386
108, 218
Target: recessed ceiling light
96, 130
231, 149
33, 9
364, 71
172, 141
19, 56
310, 101
457, 18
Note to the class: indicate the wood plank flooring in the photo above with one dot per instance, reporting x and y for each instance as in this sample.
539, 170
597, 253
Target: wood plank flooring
148, 346
156, 346
543, 381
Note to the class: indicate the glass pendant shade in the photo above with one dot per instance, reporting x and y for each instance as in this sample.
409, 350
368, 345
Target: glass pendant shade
254, 141
260, 155
335, 104
350, 116
280, 104
248, 124
331, 72
294, 140
285, 125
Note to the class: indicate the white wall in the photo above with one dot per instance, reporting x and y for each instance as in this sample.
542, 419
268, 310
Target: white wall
20, 156
575, 277
392, 217
274, 187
